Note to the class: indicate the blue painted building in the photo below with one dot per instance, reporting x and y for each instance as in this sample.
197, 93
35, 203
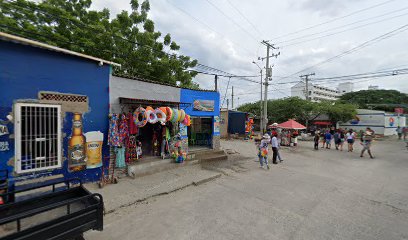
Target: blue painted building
204, 109
42, 87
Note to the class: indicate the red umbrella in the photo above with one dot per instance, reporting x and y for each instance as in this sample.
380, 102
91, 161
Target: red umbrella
291, 124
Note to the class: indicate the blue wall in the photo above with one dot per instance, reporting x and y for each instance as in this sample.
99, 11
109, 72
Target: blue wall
26, 70
188, 96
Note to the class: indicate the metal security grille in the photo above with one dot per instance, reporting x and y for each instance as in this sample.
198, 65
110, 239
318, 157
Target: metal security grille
37, 137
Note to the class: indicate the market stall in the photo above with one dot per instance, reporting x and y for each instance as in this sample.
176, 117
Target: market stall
289, 132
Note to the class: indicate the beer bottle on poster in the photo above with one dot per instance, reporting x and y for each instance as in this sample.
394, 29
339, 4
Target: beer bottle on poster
76, 145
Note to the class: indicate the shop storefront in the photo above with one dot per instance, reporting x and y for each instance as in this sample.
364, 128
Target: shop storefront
204, 109
53, 109
147, 122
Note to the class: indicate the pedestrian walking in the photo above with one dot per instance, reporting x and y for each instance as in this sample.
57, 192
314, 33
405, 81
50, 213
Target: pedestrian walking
342, 139
275, 146
328, 138
316, 140
350, 136
405, 132
263, 150
366, 142
322, 137
399, 132
336, 137
278, 150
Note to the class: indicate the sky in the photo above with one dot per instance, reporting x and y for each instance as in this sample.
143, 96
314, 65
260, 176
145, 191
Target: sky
227, 35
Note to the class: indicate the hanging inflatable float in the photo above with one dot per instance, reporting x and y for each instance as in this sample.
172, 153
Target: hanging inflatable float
161, 115
175, 116
169, 113
140, 117
151, 116
182, 115
187, 120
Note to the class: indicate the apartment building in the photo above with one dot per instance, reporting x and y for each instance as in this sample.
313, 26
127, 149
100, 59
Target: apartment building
318, 93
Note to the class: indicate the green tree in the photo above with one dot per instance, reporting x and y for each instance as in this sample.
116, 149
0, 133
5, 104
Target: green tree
364, 99
130, 38
281, 110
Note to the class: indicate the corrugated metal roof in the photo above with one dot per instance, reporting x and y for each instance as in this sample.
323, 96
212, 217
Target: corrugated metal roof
156, 82
25, 41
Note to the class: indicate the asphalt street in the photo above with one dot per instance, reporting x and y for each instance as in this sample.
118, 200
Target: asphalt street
324, 194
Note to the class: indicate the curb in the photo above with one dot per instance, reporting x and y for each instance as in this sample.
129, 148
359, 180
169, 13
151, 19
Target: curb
206, 180
141, 200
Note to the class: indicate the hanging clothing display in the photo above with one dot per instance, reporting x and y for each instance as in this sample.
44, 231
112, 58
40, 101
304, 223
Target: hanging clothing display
120, 157
131, 149
113, 135
123, 130
133, 129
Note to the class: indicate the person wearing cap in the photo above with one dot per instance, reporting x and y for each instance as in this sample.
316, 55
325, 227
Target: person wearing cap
263, 150
366, 142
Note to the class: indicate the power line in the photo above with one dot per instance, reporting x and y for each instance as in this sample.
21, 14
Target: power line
354, 49
76, 22
346, 30
346, 25
232, 20
204, 24
333, 20
226, 90
242, 15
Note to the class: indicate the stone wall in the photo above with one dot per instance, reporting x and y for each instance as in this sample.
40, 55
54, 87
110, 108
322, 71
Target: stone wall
216, 145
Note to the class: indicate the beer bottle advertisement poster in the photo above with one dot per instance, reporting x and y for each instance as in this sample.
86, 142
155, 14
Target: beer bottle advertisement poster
76, 145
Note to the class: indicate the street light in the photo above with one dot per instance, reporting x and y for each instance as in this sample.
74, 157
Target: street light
261, 120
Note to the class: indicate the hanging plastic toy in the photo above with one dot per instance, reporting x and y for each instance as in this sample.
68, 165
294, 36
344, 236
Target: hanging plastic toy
169, 114
175, 115
182, 115
151, 117
161, 116
140, 117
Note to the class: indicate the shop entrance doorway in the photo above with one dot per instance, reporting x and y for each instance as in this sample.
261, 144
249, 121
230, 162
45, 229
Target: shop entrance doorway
200, 132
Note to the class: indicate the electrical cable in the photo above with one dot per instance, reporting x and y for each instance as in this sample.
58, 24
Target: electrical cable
232, 20
246, 19
346, 30
354, 49
206, 25
333, 20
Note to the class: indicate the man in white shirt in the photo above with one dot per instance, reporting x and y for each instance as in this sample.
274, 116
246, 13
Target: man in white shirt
275, 146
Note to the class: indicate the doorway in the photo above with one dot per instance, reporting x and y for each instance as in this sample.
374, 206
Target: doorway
200, 132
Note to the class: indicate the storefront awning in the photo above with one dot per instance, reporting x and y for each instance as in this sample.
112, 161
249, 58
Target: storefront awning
135, 101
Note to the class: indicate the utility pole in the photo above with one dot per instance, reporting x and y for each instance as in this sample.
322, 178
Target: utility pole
232, 98
268, 76
216, 82
261, 102
306, 77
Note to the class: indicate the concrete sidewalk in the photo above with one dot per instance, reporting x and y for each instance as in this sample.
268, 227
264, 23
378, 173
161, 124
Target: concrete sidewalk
131, 191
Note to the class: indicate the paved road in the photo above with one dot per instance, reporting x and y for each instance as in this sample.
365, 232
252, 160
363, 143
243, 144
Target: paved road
323, 194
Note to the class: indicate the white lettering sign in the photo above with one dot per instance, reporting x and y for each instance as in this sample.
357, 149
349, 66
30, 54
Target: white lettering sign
4, 146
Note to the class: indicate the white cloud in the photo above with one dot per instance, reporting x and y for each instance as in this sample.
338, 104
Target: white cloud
225, 46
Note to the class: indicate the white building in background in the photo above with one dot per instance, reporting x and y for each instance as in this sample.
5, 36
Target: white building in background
345, 87
383, 123
320, 93
373, 87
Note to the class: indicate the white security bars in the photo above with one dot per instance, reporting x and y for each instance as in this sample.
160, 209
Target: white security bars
37, 137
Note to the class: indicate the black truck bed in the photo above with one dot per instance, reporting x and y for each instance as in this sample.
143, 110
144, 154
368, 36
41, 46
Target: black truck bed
57, 215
